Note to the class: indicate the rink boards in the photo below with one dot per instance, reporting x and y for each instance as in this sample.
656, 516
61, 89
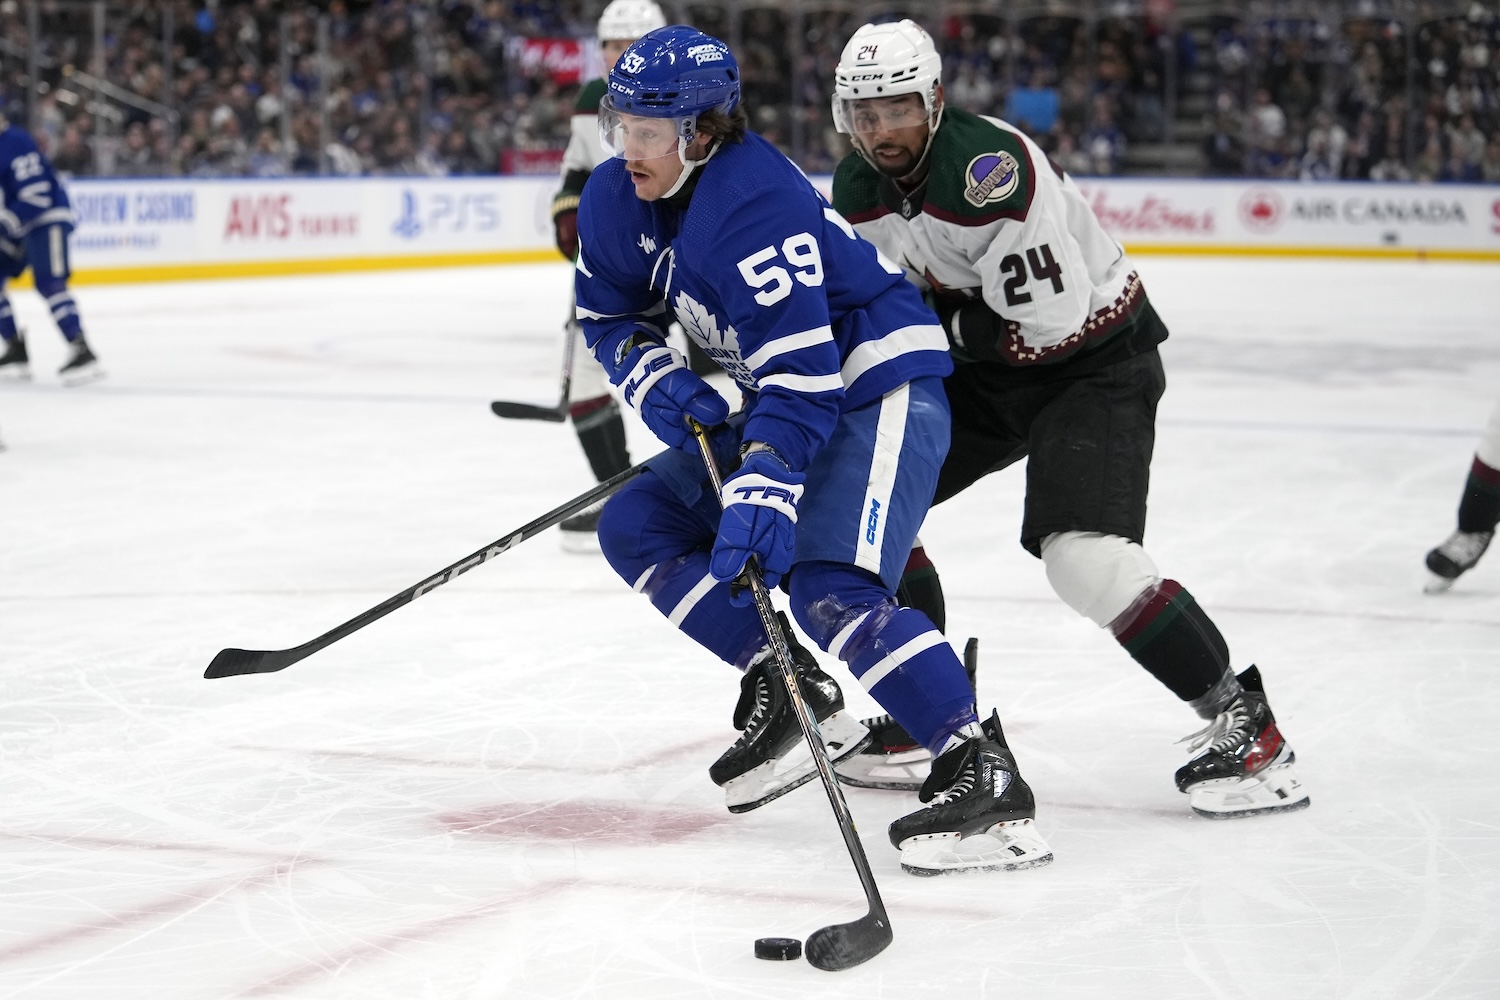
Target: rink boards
173, 229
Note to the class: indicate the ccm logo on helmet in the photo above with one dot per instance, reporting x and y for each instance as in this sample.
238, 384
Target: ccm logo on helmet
861, 77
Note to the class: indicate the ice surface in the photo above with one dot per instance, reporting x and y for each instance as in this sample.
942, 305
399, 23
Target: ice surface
501, 790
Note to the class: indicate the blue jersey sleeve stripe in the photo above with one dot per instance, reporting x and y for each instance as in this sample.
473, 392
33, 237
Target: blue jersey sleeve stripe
655, 310
904, 340
803, 383
785, 345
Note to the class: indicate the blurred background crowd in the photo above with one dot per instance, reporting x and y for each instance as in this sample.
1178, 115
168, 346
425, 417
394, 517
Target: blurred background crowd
1320, 89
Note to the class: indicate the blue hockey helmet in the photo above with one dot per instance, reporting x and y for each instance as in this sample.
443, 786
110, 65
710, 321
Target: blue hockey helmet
670, 75
672, 72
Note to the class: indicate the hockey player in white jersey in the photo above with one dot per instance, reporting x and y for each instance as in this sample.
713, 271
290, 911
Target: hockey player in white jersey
1055, 350
1478, 514
830, 464
595, 414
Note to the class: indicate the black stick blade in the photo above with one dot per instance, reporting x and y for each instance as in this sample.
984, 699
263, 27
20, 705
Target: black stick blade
231, 662
526, 411
843, 946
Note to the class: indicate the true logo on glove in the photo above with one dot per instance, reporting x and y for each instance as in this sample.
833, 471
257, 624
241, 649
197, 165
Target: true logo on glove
769, 495
643, 375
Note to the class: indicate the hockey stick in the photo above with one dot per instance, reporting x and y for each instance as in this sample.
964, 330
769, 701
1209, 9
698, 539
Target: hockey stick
230, 662
839, 946
553, 414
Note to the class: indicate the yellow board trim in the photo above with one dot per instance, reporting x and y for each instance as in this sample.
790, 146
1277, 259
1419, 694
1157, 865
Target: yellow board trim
334, 265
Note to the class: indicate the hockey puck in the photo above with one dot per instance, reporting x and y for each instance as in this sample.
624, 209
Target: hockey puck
778, 949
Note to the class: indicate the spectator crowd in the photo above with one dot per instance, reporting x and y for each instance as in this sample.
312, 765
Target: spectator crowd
241, 87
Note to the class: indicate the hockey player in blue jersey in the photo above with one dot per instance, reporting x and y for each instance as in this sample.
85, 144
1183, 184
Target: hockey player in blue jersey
830, 464
35, 221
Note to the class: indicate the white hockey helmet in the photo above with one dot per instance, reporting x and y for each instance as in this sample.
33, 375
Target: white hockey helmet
627, 20
887, 60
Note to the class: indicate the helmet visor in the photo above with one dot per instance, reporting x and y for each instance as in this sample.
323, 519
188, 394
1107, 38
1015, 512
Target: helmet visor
632, 137
880, 114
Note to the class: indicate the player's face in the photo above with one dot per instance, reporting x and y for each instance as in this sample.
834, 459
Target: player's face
612, 50
890, 131
649, 147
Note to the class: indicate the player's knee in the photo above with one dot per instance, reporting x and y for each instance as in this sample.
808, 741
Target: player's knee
620, 536
1097, 575
832, 603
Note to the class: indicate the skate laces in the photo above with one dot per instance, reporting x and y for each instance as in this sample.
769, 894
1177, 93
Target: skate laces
1226, 729
760, 711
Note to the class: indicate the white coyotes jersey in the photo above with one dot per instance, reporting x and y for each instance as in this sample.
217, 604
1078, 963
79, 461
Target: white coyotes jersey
996, 220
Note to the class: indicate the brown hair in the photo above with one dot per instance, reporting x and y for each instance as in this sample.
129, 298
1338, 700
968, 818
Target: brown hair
725, 128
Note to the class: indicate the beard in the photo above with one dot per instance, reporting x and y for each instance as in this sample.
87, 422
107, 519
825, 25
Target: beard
894, 167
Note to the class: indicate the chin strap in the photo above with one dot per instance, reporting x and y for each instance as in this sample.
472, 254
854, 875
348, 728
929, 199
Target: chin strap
690, 165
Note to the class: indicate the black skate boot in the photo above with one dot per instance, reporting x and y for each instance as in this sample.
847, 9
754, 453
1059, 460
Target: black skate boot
982, 813
14, 363
1455, 557
580, 533
81, 365
764, 763
1245, 767
892, 759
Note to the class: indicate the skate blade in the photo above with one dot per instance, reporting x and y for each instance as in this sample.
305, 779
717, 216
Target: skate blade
15, 373
1276, 789
1004, 847
1437, 584
82, 376
897, 772
584, 543
843, 735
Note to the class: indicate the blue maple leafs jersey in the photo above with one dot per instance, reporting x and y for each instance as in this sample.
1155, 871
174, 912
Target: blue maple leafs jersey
30, 193
809, 318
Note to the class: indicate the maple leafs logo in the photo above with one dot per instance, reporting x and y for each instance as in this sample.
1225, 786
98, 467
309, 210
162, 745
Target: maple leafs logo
695, 318
702, 326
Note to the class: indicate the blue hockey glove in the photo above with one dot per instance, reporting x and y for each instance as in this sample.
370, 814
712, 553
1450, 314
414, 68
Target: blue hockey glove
665, 393
759, 519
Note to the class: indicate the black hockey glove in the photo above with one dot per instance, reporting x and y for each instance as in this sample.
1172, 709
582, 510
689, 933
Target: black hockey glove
976, 332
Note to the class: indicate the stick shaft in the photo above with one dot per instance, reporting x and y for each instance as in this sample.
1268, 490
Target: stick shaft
239, 661
805, 718
553, 414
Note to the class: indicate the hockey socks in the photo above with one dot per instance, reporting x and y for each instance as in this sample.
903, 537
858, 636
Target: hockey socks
1479, 510
908, 666
601, 432
921, 588
1165, 631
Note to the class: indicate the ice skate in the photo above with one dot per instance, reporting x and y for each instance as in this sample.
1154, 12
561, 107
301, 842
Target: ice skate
81, 366
580, 533
892, 759
1243, 767
981, 817
14, 363
1455, 557
771, 756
